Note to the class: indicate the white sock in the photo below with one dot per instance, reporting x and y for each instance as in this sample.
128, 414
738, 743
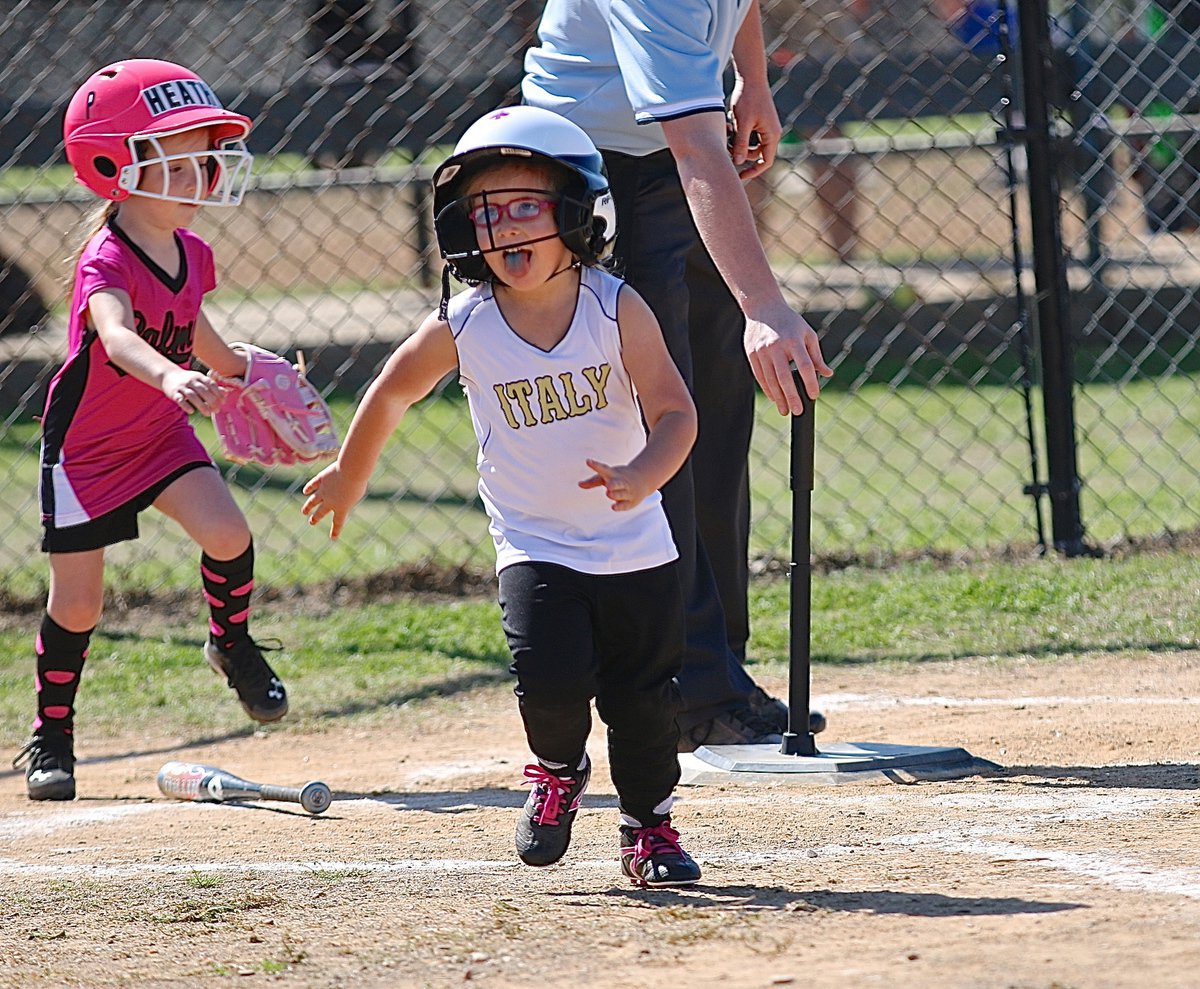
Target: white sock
663, 807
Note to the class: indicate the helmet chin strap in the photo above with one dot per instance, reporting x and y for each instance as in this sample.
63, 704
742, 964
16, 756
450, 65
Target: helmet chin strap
554, 274
526, 243
512, 247
562, 271
445, 299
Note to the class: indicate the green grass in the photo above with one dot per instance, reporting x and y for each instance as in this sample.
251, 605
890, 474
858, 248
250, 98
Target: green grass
900, 469
920, 612
360, 663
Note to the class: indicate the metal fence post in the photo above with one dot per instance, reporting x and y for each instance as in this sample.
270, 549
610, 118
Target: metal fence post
1050, 278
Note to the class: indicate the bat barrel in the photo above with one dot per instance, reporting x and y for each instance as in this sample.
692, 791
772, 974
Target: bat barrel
314, 797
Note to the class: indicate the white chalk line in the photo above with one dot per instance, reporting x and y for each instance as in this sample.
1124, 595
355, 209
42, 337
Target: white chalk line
1123, 873
27, 825
875, 702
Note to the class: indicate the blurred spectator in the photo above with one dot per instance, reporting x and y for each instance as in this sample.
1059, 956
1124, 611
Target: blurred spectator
829, 30
364, 48
1168, 169
358, 40
21, 307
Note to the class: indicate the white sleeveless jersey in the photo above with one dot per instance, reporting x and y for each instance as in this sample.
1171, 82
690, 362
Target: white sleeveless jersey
538, 415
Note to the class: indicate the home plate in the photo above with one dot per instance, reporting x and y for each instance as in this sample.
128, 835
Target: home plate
837, 762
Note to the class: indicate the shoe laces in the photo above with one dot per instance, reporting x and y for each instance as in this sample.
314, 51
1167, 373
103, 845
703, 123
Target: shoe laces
247, 667
45, 752
549, 792
753, 722
661, 839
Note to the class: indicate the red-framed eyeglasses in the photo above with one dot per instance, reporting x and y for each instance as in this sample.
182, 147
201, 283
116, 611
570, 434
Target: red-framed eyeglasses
523, 210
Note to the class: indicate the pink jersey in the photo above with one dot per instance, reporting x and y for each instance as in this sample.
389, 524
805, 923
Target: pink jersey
106, 436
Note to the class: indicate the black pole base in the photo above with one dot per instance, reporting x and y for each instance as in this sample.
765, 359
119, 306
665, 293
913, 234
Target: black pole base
798, 744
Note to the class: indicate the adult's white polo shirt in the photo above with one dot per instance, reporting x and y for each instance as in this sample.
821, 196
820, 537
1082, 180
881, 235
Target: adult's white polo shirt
619, 67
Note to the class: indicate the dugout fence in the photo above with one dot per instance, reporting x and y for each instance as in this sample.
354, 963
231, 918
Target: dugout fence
989, 211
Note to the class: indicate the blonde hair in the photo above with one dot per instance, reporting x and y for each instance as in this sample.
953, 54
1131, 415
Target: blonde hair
92, 224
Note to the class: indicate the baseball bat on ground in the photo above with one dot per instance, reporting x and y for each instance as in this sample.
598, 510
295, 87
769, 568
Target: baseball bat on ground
208, 784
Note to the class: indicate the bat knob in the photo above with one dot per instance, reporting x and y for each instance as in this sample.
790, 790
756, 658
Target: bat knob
315, 798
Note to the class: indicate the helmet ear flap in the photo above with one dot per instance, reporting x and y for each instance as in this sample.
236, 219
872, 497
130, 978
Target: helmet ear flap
455, 235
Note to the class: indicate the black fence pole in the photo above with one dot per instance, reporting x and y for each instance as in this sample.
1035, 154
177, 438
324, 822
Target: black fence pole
1009, 137
1050, 278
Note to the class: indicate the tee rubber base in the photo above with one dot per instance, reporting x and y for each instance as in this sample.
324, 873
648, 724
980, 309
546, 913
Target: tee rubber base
835, 762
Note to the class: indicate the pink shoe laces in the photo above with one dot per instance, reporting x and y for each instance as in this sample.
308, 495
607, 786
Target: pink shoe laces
653, 841
550, 791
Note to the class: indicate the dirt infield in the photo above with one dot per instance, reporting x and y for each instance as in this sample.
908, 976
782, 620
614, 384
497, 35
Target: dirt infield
1075, 865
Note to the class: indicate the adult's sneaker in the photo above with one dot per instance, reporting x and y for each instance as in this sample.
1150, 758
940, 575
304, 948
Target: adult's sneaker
652, 856
49, 761
775, 712
544, 824
735, 726
261, 692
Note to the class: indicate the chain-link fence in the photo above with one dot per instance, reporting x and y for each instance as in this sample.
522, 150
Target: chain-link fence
897, 218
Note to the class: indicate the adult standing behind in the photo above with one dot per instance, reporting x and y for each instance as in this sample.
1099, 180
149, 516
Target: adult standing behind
644, 78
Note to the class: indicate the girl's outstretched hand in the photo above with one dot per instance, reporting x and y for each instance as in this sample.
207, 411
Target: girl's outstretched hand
331, 493
193, 391
623, 484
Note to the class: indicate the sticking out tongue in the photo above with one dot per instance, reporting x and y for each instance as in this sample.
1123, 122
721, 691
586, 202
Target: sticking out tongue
517, 262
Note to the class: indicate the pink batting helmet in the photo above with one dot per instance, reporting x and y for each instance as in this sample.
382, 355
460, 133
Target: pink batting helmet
142, 100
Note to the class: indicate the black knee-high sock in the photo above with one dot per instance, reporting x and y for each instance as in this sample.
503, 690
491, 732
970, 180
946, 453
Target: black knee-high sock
227, 588
60, 656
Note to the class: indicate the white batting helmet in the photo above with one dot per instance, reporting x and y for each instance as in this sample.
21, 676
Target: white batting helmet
587, 218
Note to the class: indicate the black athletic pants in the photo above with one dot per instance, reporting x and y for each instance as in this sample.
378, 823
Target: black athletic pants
617, 638
659, 252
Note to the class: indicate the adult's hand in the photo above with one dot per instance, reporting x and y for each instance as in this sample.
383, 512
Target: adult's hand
774, 344
754, 113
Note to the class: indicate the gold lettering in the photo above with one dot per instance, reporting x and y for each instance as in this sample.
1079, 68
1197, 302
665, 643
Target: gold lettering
505, 406
598, 379
519, 392
575, 405
552, 406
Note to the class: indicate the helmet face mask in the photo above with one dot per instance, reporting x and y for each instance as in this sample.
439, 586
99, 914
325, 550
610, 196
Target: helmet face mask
220, 174
524, 135
116, 121
465, 242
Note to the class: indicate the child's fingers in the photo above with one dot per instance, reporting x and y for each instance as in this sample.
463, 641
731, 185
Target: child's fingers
595, 481
311, 506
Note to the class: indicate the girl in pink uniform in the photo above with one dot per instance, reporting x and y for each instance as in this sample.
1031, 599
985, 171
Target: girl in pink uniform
152, 139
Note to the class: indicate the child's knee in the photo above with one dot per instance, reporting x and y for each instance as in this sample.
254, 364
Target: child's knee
227, 540
76, 612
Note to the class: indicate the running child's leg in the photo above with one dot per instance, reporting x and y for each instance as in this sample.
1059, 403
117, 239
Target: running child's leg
201, 503
547, 620
72, 611
641, 639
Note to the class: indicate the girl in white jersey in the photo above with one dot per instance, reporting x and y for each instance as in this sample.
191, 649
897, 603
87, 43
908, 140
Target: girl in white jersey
581, 417
153, 140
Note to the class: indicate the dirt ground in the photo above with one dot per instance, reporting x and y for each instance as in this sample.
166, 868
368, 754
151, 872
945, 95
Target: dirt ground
1075, 864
